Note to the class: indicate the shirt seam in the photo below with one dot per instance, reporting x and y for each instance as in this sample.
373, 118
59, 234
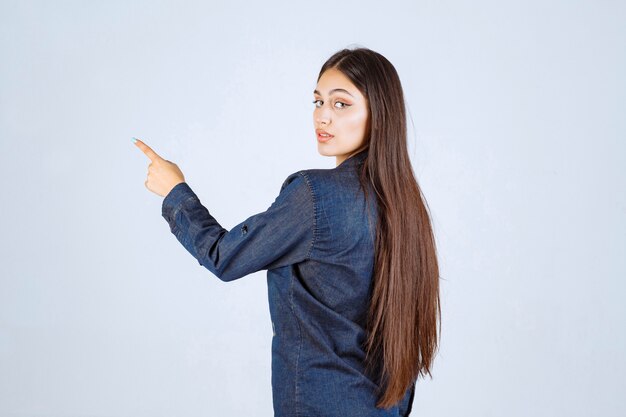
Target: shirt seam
299, 346
314, 199
293, 311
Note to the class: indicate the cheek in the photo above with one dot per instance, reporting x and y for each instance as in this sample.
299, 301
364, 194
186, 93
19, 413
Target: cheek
357, 121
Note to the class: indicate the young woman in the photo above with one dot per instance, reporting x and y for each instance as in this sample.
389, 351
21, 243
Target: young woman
352, 271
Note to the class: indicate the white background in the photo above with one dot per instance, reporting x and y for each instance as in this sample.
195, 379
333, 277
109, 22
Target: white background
516, 133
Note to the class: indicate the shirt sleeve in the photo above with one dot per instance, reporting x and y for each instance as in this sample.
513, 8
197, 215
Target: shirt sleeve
282, 235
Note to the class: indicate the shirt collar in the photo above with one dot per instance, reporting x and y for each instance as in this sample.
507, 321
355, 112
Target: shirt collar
354, 159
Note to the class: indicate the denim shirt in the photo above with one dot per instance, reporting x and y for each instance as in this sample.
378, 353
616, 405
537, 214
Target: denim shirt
317, 245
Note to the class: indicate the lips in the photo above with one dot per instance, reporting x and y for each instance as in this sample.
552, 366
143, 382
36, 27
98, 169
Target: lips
323, 136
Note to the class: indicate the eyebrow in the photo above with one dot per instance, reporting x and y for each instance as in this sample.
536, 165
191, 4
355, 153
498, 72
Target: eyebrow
332, 91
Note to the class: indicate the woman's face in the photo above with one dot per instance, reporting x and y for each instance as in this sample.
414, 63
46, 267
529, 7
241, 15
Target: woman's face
342, 113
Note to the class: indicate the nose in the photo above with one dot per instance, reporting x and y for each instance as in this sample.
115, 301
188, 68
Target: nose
321, 117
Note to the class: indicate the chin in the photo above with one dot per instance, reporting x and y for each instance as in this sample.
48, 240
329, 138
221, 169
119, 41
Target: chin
325, 152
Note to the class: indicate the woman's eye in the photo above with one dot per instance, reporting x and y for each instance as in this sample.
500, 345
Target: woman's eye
344, 105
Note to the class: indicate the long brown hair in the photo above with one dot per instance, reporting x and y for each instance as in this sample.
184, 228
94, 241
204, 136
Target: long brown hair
402, 334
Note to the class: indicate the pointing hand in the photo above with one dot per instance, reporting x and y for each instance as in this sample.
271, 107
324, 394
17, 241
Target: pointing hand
163, 175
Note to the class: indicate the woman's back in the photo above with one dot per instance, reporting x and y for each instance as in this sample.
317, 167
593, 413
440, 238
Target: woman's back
319, 305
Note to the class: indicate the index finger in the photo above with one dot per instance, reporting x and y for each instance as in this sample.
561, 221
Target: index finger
147, 150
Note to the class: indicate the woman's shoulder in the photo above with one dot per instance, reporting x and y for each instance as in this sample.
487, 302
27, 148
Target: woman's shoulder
330, 183
311, 177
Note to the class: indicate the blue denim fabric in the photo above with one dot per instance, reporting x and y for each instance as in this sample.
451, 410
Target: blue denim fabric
317, 245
